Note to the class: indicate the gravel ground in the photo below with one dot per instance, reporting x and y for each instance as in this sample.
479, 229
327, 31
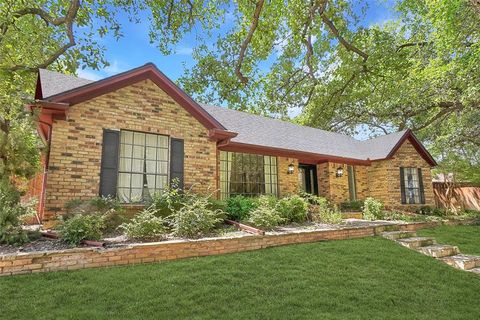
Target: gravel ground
41, 244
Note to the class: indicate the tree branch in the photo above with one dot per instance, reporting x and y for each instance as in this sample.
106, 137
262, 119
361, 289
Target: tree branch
246, 42
67, 20
345, 43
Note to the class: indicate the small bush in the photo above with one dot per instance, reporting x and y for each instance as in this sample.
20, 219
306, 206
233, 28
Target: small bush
429, 211
112, 220
323, 211
265, 214
94, 206
195, 218
239, 207
146, 226
82, 227
372, 209
169, 200
356, 205
11, 214
293, 209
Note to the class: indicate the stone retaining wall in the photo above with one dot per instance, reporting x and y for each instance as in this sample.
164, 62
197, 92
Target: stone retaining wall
80, 258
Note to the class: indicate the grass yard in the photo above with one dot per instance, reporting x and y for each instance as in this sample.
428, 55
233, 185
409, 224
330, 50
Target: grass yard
370, 278
467, 238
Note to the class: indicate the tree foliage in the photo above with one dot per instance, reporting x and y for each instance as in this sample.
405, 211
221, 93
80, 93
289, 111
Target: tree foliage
65, 35
420, 70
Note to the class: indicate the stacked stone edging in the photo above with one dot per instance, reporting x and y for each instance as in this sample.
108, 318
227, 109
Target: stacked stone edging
80, 258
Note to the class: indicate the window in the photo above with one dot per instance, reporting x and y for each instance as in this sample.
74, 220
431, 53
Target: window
143, 166
411, 185
247, 174
352, 187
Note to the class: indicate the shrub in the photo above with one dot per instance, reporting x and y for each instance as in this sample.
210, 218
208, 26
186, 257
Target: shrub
168, 200
108, 207
351, 205
372, 209
96, 206
82, 227
265, 214
293, 209
145, 225
112, 220
239, 207
195, 218
11, 214
324, 211
103, 204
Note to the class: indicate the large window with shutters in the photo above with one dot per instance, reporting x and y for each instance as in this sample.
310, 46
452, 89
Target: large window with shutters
411, 186
143, 165
247, 174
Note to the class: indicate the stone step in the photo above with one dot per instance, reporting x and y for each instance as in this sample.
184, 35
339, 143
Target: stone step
395, 235
416, 242
462, 261
475, 270
384, 228
439, 250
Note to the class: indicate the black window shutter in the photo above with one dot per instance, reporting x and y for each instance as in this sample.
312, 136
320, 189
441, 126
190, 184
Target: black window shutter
109, 164
420, 185
177, 160
402, 186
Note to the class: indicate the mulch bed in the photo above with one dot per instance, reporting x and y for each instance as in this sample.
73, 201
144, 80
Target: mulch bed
41, 244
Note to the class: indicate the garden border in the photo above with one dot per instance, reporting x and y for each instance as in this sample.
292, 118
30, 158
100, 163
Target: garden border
92, 257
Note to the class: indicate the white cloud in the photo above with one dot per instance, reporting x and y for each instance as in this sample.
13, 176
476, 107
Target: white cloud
88, 74
115, 67
184, 51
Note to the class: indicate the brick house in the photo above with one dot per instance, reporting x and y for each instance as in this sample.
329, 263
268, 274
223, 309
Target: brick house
130, 134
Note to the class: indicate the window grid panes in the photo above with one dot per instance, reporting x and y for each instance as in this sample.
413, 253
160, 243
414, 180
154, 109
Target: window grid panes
143, 165
247, 174
412, 185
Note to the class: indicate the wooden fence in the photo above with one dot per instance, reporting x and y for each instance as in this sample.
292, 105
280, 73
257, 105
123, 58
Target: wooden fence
465, 196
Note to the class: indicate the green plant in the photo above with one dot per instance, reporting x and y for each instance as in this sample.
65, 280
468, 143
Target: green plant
323, 211
145, 225
11, 214
356, 205
169, 200
195, 219
372, 209
106, 203
239, 207
293, 209
265, 214
93, 206
112, 220
82, 227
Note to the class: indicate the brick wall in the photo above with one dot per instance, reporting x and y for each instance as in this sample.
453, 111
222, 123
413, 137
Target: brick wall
75, 154
288, 183
384, 178
336, 188
81, 258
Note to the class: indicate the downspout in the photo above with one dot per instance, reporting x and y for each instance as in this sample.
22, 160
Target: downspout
45, 170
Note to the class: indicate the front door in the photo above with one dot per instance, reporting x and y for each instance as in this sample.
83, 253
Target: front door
307, 178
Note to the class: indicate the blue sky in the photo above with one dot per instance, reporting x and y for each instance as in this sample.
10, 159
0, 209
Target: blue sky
134, 48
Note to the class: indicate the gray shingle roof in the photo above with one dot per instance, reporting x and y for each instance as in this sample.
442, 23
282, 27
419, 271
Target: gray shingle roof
262, 131
267, 132
54, 82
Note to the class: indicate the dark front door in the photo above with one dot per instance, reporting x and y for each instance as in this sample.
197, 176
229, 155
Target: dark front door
307, 178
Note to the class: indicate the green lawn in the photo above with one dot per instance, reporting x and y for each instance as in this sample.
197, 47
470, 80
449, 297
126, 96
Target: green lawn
370, 278
467, 238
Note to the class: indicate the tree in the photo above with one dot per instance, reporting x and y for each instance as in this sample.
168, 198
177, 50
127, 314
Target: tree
420, 70
63, 35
